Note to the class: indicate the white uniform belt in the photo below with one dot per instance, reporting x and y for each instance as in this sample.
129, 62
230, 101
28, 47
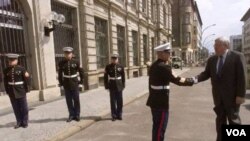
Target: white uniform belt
15, 83
160, 87
70, 76
113, 78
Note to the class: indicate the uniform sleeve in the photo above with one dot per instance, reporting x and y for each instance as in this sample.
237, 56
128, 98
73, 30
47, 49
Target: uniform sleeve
26, 79
175, 79
60, 71
106, 78
81, 72
240, 76
205, 75
123, 77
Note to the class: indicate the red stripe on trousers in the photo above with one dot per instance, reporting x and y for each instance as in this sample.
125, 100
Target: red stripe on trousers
161, 124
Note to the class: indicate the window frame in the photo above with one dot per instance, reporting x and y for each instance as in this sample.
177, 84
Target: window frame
101, 53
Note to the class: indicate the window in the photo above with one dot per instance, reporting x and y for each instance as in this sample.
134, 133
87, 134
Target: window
144, 6
132, 3
185, 2
135, 47
187, 38
170, 17
145, 48
195, 30
153, 10
152, 48
186, 18
120, 1
121, 44
101, 38
164, 17
64, 34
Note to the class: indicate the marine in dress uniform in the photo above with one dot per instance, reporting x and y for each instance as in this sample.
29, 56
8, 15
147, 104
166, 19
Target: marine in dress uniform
114, 80
67, 76
16, 82
160, 76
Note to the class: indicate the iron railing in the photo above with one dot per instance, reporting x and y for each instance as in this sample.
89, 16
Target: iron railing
65, 34
12, 34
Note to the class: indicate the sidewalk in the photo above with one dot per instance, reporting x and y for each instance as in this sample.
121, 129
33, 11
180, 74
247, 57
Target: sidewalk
48, 121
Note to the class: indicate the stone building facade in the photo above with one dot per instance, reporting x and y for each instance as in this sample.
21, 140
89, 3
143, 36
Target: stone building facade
187, 30
246, 42
236, 42
94, 28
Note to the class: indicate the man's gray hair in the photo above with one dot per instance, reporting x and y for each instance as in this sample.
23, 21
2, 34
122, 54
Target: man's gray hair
223, 40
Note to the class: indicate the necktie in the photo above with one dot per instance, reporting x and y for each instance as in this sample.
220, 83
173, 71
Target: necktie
220, 66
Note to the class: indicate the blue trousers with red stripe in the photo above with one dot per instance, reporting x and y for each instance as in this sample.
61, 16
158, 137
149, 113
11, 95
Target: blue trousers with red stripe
160, 121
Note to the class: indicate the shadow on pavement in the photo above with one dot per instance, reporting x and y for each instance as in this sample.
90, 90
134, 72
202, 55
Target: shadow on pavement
247, 96
95, 118
8, 125
247, 106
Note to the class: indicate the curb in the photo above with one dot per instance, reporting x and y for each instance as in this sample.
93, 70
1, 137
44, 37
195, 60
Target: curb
86, 123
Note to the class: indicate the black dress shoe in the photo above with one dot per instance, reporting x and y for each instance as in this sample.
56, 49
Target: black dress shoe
18, 125
119, 118
70, 119
113, 119
77, 118
25, 125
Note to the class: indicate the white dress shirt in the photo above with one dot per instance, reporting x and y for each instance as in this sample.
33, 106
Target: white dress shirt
223, 57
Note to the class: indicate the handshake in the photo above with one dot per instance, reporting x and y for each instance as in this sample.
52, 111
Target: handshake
190, 81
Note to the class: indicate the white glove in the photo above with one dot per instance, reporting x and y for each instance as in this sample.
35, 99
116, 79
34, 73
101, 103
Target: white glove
195, 80
80, 87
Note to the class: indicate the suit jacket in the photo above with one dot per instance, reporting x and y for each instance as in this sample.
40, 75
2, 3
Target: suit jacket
114, 71
160, 74
232, 82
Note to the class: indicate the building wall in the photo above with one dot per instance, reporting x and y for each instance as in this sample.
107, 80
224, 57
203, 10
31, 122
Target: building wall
197, 41
41, 49
246, 47
236, 42
185, 15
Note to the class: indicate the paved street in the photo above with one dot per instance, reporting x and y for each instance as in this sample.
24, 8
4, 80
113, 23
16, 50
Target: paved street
48, 121
191, 118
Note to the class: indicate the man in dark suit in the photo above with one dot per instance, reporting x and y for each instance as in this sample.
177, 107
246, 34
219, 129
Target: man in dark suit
160, 76
114, 80
16, 82
67, 76
227, 72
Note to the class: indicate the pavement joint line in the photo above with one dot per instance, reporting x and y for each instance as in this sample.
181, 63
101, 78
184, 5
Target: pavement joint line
66, 133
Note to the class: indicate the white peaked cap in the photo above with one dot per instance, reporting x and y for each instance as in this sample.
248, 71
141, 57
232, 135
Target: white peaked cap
12, 55
166, 46
67, 49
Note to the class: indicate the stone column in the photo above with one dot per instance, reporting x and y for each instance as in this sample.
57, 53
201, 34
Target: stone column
46, 56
